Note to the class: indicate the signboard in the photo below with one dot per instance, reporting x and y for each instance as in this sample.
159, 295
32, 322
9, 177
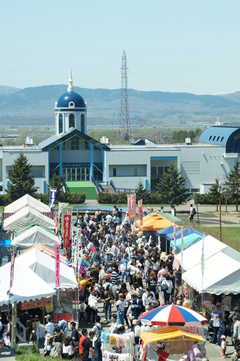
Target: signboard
57, 265
131, 200
66, 230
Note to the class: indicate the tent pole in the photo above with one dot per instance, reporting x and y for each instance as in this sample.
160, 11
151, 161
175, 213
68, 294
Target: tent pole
14, 324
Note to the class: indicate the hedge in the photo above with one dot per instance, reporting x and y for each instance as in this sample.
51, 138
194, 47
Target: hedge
121, 197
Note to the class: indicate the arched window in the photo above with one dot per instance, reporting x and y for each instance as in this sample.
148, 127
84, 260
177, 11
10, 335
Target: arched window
71, 121
82, 123
60, 123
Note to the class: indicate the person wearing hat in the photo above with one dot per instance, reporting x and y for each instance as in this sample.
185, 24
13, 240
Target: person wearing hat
49, 327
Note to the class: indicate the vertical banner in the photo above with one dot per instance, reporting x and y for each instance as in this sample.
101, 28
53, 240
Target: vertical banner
202, 255
181, 246
56, 221
174, 236
66, 230
52, 198
64, 210
12, 270
131, 200
140, 211
57, 265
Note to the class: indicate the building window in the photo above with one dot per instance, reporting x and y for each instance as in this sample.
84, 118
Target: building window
60, 123
75, 143
114, 172
86, 145
82, 123
218, 138
214, 137
71, 121
210, 137
38, 171
222, 139
135, 172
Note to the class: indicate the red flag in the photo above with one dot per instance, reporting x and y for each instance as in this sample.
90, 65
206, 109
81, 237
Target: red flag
66, 231
57, 265
140, 211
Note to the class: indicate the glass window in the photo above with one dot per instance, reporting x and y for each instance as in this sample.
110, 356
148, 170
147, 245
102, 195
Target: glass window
87, 146
153, 172
135, 172
82, 123
60, 123
114, 172
71, 121
75, 143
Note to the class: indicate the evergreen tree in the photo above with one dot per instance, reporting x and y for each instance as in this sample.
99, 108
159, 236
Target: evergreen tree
213, 193
142, 193
22, 181
172, 187
57, 183
232, 183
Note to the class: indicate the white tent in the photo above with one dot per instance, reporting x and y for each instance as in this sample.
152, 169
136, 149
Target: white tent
44, 266
221, 274
27, 216
34, 235
24, 201
27, 285
192, 255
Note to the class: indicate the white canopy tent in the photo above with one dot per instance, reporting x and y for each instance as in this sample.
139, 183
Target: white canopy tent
24, 201
27, 285
221, 275
34, 235
44, 266
192, 255
27, 216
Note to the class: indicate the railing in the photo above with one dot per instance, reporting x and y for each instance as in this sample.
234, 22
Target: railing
96, 183
112, 185
18, 331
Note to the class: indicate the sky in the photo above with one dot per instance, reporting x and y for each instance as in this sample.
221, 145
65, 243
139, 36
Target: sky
171, 45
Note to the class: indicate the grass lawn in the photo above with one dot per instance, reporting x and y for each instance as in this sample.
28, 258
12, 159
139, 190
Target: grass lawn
26, 354
230, 235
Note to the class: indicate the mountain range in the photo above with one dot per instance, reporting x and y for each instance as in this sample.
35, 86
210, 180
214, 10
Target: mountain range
146, 108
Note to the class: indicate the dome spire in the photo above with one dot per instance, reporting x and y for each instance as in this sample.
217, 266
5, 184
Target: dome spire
70, 82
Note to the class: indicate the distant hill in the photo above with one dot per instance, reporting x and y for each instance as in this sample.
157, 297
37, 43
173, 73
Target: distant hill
152, 108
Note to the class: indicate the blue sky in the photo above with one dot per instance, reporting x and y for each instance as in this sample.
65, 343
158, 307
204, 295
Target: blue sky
171, 45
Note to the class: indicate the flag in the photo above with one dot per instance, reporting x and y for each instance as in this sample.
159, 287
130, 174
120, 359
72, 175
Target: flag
12, 270
181, 247
174, 236
52, 198
202, 255
56, 222
131, 200
66, 230
140, 211
57, 265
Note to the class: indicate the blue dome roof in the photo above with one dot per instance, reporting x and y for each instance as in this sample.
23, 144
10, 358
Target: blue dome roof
66, 98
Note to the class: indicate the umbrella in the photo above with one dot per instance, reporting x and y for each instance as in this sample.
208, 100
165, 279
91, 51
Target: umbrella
172, 315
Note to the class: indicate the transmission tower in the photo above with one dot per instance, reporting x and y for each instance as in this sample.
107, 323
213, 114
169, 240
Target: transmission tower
124, 112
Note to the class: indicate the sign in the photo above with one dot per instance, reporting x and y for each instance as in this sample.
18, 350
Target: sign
131, 200
66, 230
35, 304
57, 265
140, 211
52, 198
64, 210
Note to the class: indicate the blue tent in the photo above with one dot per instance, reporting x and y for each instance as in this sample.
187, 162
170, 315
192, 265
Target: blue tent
187, 241
165, 231
186, 232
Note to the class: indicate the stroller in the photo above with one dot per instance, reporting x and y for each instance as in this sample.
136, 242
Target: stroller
210, 330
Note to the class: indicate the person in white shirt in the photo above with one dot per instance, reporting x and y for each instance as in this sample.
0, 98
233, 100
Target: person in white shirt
49, 327
113, 328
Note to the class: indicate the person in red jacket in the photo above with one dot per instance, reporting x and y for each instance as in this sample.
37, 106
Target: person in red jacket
82, 338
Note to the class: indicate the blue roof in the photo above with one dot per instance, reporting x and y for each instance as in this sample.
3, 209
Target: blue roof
66, 98
165, 231
223, 136
186, 232
187, 241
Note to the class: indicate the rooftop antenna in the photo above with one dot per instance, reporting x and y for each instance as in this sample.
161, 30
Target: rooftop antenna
124, 111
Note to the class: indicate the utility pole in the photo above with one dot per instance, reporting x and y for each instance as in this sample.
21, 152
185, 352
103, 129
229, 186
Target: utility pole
220, 213
124, 111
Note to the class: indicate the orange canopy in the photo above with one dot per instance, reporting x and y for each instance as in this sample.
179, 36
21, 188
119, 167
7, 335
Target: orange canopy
154, 222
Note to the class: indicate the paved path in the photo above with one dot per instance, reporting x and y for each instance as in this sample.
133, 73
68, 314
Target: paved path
7, 354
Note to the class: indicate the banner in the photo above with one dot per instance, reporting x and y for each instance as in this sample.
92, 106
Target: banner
140, 211
12, 270
57, 265
66, 230
56, 222
131, 200
174, 236
181, 247
64, 210
202, 255
52, 198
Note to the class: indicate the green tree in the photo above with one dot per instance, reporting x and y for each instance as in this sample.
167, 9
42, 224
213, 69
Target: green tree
172, 187
142, 193
213, 193
57, 183
232, 183
22, 181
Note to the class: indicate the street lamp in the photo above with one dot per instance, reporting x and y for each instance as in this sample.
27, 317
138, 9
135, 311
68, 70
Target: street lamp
220, 214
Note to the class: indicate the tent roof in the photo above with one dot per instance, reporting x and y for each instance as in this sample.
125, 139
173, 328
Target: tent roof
33, 235
164, 231
221, 275
187, 241
186, 232
27, 285
170, 333
47, 250
171, 218
192, 255
44, 266
25, 217
24, 201
153, 222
